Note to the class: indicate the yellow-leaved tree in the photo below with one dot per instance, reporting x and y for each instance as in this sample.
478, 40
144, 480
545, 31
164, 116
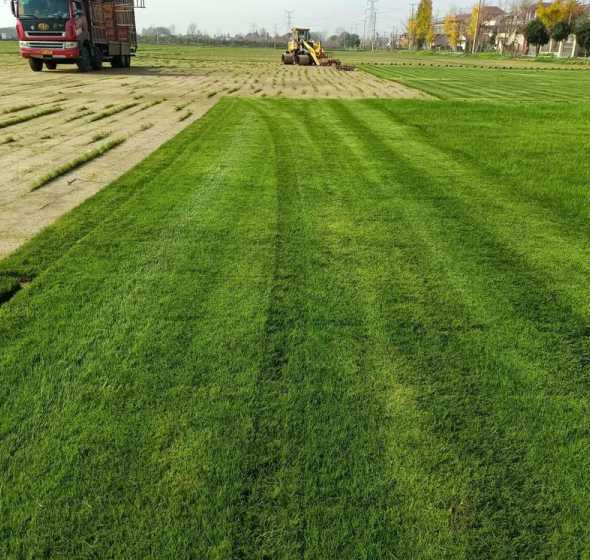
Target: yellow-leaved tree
558, 11
412, 32
559, 18
424, 31
552, 14
473, 22
451, 30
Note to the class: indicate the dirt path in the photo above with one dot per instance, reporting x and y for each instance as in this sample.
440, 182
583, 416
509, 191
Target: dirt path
150, 104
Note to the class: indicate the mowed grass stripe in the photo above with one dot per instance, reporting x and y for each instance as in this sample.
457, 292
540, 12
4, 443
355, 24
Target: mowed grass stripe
554, 255
454, 337
550, 225
319, 451
355, 353
486, 83
403, 498
556, 192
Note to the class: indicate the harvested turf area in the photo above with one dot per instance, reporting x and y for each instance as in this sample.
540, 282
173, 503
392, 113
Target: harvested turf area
379, 349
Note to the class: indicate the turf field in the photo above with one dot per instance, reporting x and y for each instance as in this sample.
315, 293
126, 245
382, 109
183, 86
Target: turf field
163, 54
378, 350
86, 130
536, 84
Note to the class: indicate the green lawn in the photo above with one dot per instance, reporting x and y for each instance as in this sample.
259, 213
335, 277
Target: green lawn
489, 83
379, 349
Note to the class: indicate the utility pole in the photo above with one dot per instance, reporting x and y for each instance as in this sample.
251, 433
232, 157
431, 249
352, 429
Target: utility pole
290, 20
364, 44
480, 6
413, 26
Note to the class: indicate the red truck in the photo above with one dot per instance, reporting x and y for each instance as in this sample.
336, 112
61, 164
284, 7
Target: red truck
82, 32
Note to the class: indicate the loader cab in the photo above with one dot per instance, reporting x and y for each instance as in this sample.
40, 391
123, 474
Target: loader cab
301, 34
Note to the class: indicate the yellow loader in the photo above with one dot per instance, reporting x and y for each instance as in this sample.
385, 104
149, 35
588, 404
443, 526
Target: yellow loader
305, 52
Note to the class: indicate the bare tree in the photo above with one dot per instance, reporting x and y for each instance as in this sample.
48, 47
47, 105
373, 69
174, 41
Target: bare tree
191, 29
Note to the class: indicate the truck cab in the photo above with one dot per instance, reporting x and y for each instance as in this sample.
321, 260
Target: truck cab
82, 32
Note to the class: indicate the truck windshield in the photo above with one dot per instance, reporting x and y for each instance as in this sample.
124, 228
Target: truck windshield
44, 9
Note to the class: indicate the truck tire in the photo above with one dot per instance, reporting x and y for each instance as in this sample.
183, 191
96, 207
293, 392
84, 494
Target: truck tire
85, 61
117, 61
36, 64
51, 65
97, 60
126, 59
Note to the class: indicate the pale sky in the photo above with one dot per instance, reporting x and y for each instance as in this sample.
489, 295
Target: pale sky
242, 15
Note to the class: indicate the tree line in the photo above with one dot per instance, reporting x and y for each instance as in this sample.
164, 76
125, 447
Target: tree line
255, 38
556, 21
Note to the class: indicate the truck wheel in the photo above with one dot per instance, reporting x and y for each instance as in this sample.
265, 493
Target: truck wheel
126, 61
97, 60
116, 62
85, 60
51, 65
36, 64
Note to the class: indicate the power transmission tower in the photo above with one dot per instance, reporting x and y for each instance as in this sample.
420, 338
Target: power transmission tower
364, 43
372, 9
290, 19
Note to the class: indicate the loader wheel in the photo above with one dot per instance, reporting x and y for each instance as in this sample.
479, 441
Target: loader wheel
85, 61
303, 59
36, 64
51, 65
288, 58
